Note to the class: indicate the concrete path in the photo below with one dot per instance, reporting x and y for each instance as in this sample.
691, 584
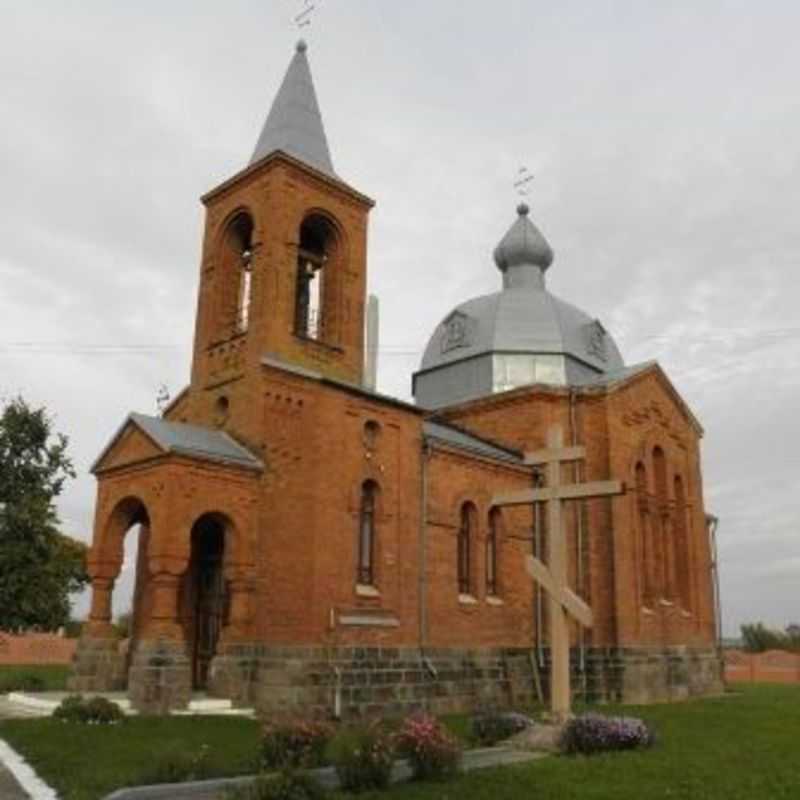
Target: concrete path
9, 788
214, 790
11, 710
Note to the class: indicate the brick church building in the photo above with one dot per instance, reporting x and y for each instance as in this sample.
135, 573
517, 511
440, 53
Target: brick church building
306, 542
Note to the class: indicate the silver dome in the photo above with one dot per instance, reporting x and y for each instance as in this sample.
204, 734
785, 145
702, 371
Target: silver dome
519, 336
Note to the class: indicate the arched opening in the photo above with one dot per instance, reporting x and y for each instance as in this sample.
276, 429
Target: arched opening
366, 534
466, 535
237, 274
665, 545
492, 539
647, 554
317, 246
122, 591
205, 606
682, 546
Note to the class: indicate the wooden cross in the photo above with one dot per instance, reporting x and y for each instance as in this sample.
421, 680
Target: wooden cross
552, 577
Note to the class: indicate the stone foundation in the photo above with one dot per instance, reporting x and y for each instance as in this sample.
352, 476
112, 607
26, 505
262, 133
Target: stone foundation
368, 682
232, 673
676, 673
353, 682
365, 681
99, 665
160, 677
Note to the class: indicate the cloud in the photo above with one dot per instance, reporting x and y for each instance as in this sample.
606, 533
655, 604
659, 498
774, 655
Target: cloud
666, 179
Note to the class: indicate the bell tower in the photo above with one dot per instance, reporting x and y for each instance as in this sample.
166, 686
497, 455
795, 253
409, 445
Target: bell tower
284, 264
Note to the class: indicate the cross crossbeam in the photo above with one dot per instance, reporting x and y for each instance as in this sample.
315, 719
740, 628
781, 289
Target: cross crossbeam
577, 491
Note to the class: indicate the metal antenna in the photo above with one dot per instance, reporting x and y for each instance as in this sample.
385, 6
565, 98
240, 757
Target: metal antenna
162, 399
303, 19
523, 181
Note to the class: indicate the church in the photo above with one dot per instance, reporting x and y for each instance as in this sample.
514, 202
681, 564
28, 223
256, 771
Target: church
309, 544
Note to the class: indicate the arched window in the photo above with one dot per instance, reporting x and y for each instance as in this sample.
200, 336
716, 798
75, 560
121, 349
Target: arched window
492, 538
665, 544
366, 534
317, 243
647, 565
236, 271
682, 547
466, 533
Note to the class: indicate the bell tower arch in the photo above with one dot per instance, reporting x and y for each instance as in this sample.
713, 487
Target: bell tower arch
284, 265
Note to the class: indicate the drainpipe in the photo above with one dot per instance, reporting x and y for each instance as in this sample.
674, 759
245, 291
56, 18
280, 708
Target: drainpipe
422, 584
712, 524
337, 697
579, 565
537, 534
423, 550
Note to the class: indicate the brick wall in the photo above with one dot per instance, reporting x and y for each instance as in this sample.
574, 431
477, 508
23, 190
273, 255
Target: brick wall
774, 666
36, 648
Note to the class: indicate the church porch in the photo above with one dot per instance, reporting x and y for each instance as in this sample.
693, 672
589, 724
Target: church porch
195, 574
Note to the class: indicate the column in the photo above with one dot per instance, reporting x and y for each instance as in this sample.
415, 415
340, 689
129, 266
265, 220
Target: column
163, 622
100, 614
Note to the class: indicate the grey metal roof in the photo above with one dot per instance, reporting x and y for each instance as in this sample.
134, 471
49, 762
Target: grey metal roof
467, 441
618, 375
190, 440
524, 318
294, 124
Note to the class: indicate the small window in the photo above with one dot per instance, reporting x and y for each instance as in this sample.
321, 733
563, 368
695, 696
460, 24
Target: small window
221, 410
372, 431
366, 534
464, 554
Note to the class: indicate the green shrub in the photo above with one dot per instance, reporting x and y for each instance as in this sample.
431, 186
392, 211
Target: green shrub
362, 757
178, 766
594, 733
33, 677
431, 750
287, 785
91, 711
289, 743
22, 682
492, 727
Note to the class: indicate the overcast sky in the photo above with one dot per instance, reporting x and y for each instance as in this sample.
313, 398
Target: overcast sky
663, 137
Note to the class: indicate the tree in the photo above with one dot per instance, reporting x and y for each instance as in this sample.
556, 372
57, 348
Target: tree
39, 567
758, 638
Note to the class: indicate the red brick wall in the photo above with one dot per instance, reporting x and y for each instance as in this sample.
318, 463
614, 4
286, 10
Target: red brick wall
774, 666
618, 428
455, 478
36, 648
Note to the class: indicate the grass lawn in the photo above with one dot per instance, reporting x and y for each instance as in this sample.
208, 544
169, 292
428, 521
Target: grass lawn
85, 762
739, 747
53, 675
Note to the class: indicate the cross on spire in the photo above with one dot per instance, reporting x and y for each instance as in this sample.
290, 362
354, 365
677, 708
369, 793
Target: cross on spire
305, 16
523, 181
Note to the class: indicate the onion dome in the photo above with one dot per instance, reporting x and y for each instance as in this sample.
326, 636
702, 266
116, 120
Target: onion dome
523, 245
520, 336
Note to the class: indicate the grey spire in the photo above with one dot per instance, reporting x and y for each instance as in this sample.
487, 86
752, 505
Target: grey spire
294, 124
523, 254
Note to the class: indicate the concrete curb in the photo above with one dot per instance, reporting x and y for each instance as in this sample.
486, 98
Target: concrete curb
32, 785
210, 790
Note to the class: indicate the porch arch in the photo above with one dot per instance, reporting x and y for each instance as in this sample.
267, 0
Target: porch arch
106, 556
